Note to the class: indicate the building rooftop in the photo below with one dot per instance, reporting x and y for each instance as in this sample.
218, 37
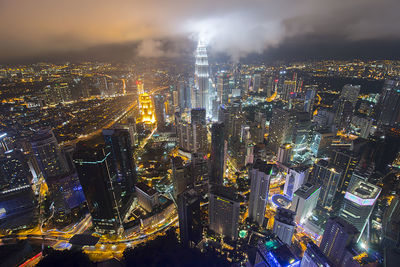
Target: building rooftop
146, 189
273, 249
263, 166
364, 190
306, 190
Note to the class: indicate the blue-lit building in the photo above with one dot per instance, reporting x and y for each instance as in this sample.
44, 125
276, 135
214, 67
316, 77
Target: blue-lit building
313, 257
273, 252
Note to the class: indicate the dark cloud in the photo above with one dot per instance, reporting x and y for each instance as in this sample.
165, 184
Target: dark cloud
56, 29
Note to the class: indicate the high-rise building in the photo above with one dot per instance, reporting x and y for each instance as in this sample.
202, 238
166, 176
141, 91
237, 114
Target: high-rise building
119, 144
260, 175
337, 236
190, 227
347, 161
159, 108
99, 181
17, 201
284, 225
278, 127
218, 153
147, 114
223, 87
313, 257
350, 93
285, 154
304, 202
202, 76
256, 82
327, 176
224, 211
48, 154
273, 252
199, 128
184, 95
295, 177
181, 178
147, 196
358, 203
391, 223
389, 104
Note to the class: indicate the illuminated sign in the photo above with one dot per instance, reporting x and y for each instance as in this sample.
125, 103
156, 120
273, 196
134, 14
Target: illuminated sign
360, 201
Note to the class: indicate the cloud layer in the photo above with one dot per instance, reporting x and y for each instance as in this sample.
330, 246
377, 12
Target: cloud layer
31, 28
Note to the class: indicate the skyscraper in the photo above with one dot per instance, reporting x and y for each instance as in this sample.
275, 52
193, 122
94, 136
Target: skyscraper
278, 128
337, 236
347, 161
224, 211
389, 104
217, 153
99, 181
327, 176
284, 225
190, 227
119, 144
304, 202
48, 154
199, 127
358, 203
350, 93
295, 177
159, 108
223, 87
202, 76
313, 257
260, 175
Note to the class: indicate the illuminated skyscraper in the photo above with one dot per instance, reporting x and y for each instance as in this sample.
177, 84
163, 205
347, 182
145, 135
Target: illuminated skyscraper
223, 87
284, 225
359, 202
337, 236
304, 202
224, 211
260, 179
202, 76
389, 104
147, 114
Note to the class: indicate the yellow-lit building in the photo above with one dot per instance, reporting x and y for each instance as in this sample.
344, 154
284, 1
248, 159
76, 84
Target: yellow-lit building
147, 114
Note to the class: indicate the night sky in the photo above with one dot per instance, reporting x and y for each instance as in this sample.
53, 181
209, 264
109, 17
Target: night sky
267, 29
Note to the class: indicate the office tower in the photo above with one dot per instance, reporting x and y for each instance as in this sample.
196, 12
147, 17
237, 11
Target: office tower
99, 181
350, 93
358, 203
278, 127
285, 154
184, 95
131, 126
321, 143
181, 178
119, 144
159, 108
48, 154
256, 82
17, 201
284, 225
147, 196
223, 88
260, 175
309, 99
198, 168
295, 177
344, 113
199, 127
304, 202
218, 154
362, 125
289, 88
391, 223
337, 236
347, 161
202, 76
327, 176
190, 227
146, 108
273, 252
224, 211
389, 104
313, 257
324, 118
